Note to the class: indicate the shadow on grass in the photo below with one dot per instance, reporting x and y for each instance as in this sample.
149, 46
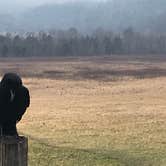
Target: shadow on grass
41, 154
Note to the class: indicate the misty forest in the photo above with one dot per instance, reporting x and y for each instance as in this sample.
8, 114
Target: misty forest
98, 28
71, 43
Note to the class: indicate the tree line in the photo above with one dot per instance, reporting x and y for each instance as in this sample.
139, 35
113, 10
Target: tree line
72, 43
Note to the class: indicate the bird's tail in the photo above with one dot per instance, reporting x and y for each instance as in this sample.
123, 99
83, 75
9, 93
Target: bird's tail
1, 132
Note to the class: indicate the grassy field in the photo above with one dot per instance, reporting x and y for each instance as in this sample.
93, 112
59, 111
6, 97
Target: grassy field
94, 111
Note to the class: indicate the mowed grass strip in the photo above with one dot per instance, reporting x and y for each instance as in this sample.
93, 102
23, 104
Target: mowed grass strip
47, 155
43, 155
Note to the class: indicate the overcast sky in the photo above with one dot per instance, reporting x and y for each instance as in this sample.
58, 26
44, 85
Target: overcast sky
39, 2
12, 6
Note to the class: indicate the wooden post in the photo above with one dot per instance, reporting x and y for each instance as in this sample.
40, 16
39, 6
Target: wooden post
13, 151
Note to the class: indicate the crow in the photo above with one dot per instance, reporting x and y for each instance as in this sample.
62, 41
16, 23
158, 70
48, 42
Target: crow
14, 100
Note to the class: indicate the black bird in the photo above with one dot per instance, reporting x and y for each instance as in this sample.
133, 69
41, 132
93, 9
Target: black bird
14, 99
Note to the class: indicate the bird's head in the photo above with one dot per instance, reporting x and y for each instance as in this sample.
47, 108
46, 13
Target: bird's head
11, 80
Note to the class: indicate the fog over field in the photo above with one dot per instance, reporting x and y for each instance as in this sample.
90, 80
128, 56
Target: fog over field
142, 15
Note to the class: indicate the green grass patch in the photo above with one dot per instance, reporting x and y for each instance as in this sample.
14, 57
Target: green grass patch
41, 154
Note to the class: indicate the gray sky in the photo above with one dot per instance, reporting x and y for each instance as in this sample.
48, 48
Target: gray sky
10, 6
39, 2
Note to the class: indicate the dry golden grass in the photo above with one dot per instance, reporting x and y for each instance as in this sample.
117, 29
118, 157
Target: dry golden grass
120, 111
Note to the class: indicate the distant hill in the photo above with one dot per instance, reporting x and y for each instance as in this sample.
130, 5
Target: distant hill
116, 15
